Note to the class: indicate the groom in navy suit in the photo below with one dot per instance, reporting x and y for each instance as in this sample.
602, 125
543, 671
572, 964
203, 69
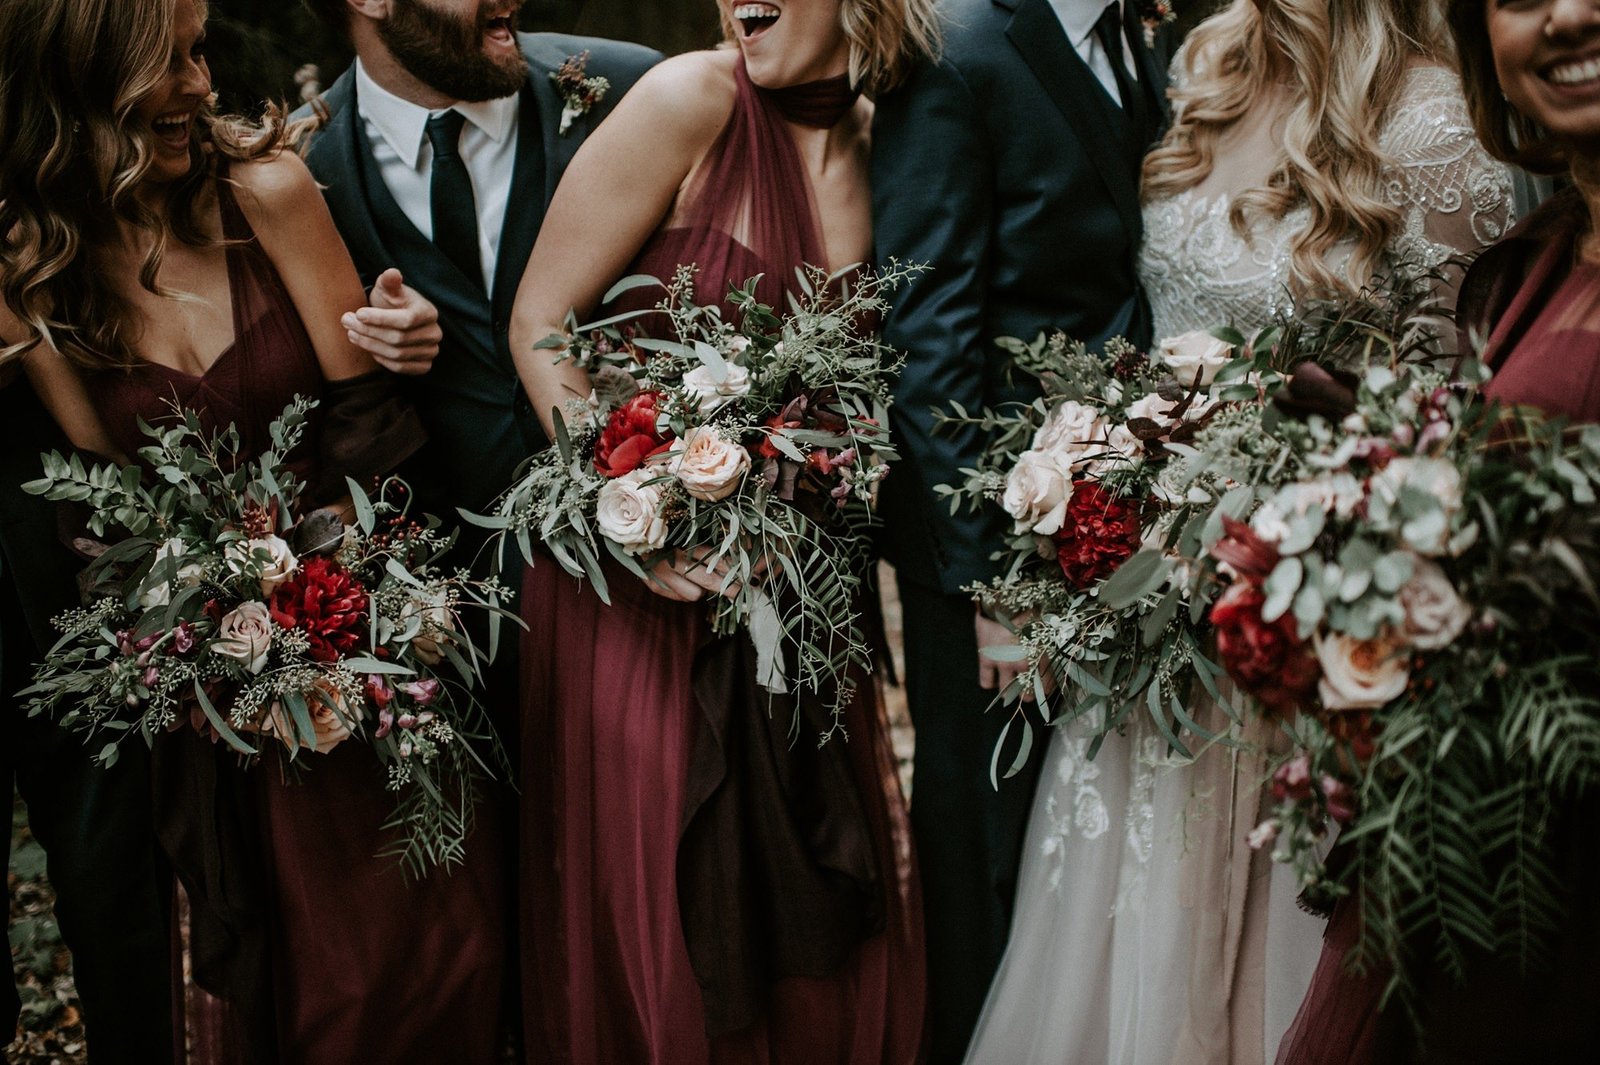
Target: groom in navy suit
1011, 168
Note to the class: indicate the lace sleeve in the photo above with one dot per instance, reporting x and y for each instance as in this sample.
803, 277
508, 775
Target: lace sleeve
1454, 198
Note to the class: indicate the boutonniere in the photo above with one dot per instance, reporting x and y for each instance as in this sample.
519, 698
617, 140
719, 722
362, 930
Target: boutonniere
578, 93
1155, 14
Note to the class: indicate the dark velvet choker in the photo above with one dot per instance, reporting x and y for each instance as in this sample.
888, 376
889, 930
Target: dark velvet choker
818, 104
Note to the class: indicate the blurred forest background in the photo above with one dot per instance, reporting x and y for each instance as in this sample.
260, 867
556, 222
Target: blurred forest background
257, 45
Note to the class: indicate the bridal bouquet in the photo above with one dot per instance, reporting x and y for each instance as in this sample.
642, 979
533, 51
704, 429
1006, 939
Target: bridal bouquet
1413, 595
1102, 609
754, 447
220, 612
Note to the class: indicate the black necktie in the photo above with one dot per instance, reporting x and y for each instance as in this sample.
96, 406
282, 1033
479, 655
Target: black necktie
1109, 30
455, 212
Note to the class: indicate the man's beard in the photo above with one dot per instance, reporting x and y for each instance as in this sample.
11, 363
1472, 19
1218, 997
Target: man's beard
445, 52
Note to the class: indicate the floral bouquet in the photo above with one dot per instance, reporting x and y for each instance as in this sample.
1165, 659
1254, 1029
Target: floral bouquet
220, 612
1101, 609
755, 447
1411, 591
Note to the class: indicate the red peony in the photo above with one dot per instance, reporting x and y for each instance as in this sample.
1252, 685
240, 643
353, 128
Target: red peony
1100, 533
630, 436
1268, 660
325, 602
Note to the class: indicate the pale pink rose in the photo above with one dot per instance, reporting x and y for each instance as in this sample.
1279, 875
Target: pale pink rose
628, 511
327, 723
1435, 613
709, 465
1362, 674
1263, 834
268, 555
1195, 357
245, 635
1037, 493
1434, 477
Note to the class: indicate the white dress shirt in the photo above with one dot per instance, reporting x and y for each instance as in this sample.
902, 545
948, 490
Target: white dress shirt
396, 130
1078, 18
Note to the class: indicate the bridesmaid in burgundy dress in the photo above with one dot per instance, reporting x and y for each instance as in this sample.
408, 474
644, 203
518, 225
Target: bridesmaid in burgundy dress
694, 890
1532, 303
317, 951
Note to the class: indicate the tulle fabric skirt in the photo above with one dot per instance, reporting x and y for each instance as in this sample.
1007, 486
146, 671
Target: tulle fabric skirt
368, 964
609, 723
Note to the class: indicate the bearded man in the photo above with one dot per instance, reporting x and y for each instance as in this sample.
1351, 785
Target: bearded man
441, 148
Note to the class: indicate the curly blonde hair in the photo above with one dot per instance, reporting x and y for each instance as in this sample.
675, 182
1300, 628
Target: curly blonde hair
72, 73
886, 37
1345, 62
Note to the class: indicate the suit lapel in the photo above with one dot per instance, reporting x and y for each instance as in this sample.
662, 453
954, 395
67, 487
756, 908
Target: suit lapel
1152, 71
1036, 32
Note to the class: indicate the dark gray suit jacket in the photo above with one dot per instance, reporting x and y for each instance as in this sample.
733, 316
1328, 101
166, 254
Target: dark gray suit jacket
1007, 168
479, 422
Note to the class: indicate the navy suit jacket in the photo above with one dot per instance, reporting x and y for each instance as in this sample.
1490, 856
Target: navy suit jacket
480, 424
1006, 168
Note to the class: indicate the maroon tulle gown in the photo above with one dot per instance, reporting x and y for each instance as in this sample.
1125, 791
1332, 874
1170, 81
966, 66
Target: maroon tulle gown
1540, 309
662, 925
319, 952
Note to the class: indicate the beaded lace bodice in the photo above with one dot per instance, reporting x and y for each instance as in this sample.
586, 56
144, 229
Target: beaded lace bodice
1200, 273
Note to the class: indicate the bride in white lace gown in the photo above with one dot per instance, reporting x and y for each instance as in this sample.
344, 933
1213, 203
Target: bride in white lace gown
1146, 931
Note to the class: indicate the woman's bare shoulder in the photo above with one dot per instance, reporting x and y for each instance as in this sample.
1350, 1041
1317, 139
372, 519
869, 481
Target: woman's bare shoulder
690, 95
273, 186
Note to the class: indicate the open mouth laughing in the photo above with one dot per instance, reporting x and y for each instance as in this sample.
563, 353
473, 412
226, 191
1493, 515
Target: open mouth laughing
756, 19
172, 130
501, 28
1580, 73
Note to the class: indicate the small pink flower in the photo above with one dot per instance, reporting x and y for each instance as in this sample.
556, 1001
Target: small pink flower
422, 692
151, 675
183, 638
1292, 781
1339, 799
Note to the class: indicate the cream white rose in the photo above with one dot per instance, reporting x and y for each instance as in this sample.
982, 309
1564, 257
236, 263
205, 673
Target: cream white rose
1362, 674
1195, 357
1037, 493
1071, 434
271, 554
1435, 613
245, 635
185, 574
1121, 449
628, 512
709, 465
1434, 477
710, 391
1332, 493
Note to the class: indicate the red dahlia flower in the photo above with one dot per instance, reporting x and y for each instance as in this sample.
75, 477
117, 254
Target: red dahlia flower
1100, 533
630, 436
1267, 659
327, 603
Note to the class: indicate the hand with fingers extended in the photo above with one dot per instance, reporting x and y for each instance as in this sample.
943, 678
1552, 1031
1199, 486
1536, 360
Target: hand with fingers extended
399, 327
995, 674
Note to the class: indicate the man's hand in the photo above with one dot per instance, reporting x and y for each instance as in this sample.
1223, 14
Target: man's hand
400, 328
992, 674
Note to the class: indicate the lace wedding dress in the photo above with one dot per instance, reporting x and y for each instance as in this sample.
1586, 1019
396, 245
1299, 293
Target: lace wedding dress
1146, 931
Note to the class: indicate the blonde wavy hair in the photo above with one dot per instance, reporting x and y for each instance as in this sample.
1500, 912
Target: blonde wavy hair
72, 73
886, 37
1345, 61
